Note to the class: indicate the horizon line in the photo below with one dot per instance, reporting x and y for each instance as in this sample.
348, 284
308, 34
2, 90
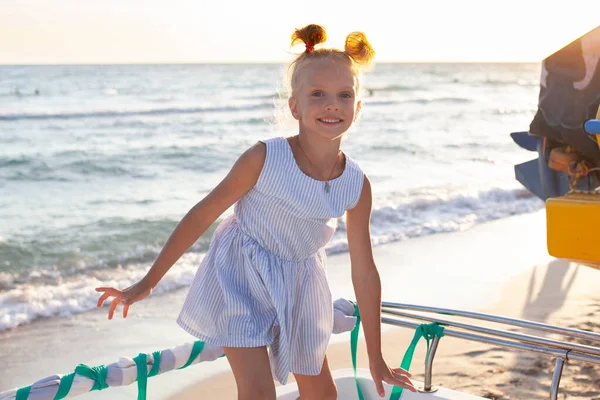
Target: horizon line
75, 63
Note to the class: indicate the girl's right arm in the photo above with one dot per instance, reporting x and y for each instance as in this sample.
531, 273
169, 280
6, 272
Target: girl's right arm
239, 180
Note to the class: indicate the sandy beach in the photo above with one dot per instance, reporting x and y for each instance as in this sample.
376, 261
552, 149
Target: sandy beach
499, 267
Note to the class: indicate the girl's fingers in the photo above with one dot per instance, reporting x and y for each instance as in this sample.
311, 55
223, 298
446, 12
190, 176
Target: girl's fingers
102, 299
379, 387
108, 292
119, 297
401, 371
113, 307
402, 381
401, 377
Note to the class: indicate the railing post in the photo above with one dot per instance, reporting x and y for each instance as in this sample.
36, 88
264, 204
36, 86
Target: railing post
429, 365
556, 375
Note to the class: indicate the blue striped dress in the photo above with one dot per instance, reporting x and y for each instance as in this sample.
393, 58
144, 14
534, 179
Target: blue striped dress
263, 280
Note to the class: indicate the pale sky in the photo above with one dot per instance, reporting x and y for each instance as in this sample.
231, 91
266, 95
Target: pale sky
174, 31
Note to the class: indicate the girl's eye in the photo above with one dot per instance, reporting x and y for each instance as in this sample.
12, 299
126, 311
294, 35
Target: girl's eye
346, 96
317, 94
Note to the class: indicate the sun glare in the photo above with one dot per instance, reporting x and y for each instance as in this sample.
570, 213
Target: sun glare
192, 31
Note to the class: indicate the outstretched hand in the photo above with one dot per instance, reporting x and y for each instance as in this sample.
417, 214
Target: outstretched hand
128, 296
381, 372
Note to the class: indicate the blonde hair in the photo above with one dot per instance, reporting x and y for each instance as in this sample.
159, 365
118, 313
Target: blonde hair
358, 52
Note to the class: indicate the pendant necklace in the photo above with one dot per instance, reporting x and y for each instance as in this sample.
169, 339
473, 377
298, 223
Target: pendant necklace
327, 185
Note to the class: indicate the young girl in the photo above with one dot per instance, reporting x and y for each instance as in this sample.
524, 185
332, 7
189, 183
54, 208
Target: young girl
263, 282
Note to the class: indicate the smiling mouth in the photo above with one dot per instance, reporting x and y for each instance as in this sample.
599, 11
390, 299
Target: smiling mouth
330, 121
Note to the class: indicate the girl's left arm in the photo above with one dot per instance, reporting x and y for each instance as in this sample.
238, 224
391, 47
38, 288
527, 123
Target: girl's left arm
365, 277
367, 288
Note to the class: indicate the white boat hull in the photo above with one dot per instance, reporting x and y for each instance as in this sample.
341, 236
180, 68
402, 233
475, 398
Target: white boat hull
346, 386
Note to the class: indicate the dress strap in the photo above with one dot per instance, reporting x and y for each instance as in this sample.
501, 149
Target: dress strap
276, 161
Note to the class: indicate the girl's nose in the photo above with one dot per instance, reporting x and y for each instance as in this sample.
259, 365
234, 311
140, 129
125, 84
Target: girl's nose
332, 105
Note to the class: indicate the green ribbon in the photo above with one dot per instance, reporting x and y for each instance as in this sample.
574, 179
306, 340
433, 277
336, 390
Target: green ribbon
353, 346
427, 331
196, 350
156, 365
141, 361
64, 386
99, 374
23, 393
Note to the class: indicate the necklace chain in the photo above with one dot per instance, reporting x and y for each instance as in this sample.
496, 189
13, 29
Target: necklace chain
327, 186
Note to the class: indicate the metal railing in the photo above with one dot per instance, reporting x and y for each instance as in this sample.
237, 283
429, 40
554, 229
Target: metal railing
561, 350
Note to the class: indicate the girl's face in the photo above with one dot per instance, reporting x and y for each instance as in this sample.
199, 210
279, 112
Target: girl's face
324, 99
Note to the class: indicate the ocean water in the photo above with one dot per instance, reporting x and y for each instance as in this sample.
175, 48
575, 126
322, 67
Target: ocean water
99, 163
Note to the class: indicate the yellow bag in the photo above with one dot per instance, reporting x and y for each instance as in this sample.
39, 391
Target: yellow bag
573, 225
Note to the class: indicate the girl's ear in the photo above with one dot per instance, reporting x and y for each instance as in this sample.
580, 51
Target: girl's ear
293, 107
358, 108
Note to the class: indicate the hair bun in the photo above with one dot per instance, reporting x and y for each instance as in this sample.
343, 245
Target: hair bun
358, 47
309, 35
